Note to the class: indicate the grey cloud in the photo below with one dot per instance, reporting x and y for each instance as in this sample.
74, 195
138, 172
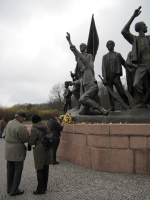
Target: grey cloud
29, 78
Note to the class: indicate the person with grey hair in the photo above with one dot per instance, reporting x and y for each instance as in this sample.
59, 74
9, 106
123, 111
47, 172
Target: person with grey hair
140, 56
112, 70
15, 152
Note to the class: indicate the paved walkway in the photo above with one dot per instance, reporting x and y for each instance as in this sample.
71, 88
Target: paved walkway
68, 181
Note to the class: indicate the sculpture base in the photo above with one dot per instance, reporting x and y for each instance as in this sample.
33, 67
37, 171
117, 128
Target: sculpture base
140, 115
107, 147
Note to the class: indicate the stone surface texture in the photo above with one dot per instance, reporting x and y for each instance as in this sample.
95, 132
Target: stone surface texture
107, 147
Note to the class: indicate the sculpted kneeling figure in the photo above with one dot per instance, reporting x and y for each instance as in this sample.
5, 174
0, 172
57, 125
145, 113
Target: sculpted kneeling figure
88, 85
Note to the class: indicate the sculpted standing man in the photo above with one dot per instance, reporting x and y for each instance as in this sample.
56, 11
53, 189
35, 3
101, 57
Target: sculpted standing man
112, 70
140, 55
15, 152
88, 84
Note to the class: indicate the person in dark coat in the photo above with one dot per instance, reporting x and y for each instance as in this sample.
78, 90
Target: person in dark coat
42, 158
55, 128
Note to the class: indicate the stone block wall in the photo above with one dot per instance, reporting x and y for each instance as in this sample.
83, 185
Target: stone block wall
107, 147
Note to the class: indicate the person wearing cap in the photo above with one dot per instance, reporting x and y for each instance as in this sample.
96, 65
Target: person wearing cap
42, 158
15, 152
140, 56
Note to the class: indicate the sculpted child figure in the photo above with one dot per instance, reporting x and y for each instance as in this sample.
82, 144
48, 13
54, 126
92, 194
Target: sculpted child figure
67, 97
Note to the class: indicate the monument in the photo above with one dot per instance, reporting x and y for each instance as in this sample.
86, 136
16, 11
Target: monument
137, 65
112, 147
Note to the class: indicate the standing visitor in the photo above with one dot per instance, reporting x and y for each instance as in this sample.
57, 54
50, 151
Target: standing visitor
15, 152
42, 158
55, 129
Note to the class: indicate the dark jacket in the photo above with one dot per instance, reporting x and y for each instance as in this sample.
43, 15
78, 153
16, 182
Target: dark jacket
41, 157
54, 127
106, 71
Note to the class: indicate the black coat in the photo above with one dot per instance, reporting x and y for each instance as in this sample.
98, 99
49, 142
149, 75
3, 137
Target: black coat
54, 127
41, 157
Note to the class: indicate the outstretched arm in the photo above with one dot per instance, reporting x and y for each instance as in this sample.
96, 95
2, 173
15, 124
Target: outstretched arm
72, 47
125, 31
76, 52
69, 39
135, 14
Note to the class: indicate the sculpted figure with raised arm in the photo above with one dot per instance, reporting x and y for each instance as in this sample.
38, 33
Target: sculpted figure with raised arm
88, 85
140, 56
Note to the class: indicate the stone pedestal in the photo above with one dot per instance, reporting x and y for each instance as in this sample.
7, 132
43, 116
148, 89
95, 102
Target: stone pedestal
107, 147
141, 115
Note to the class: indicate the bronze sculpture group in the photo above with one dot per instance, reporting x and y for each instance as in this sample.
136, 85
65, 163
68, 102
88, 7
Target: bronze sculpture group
137, 65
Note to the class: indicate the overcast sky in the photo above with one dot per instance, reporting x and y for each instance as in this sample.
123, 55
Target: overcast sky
34, 52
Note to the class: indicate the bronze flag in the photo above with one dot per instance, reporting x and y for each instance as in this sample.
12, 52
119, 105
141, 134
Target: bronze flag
93, 40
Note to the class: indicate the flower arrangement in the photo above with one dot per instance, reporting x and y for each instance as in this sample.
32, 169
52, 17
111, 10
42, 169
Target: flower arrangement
61, 117
65, 119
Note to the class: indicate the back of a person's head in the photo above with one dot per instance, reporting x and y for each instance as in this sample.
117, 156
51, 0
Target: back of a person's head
55, 115
20, 113
36, 118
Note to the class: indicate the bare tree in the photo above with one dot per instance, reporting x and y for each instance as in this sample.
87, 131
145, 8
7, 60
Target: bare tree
56, 96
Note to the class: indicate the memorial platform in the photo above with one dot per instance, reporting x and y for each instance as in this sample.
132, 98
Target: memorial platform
107, 147
141, 115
